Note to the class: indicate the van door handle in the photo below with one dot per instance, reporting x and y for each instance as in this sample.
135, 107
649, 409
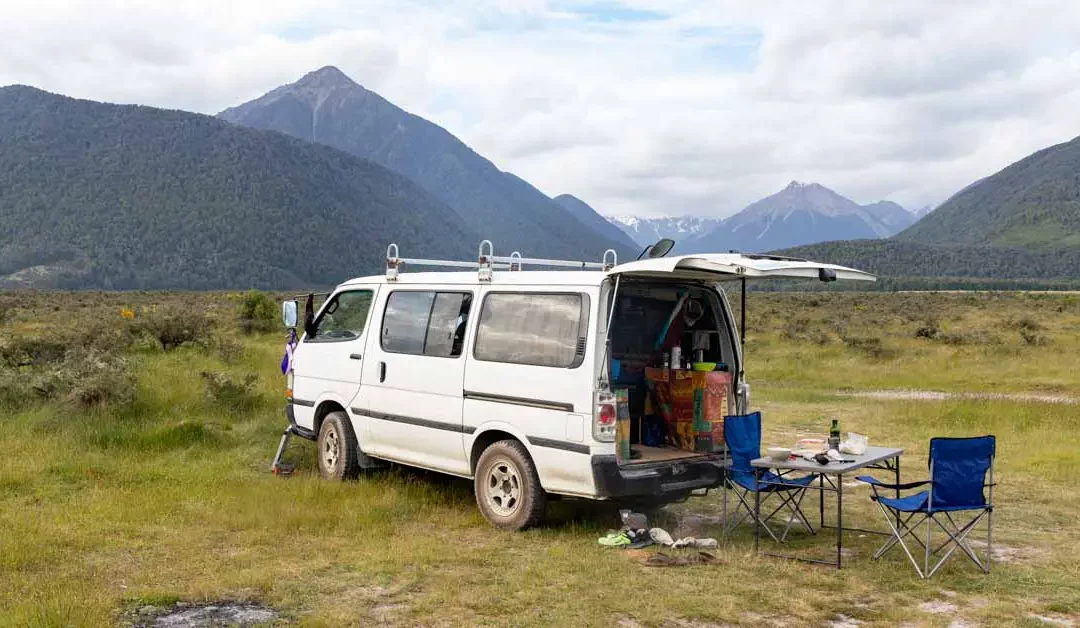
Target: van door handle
354, 356
382, 372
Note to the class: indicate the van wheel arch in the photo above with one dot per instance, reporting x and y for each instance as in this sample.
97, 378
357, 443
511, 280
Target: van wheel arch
322, 410
485, 440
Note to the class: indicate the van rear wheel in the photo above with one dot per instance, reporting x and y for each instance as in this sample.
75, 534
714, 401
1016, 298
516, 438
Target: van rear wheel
337, 448
507, 487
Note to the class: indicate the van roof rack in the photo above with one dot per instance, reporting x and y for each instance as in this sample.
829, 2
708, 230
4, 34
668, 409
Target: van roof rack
487, 262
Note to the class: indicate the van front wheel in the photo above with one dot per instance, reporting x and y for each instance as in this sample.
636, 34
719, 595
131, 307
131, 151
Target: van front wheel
507, 487
337, 448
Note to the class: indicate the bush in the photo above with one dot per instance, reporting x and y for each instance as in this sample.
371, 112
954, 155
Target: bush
97, 379
228, 350
930, 330
1033, 338
228, 392
174, 328
30, 351
258, 312
871, 346
83, 378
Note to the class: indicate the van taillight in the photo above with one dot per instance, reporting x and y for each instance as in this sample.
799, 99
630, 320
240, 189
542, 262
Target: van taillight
289, 384
604, 417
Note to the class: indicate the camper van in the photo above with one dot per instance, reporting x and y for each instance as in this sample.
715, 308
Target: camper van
604, 382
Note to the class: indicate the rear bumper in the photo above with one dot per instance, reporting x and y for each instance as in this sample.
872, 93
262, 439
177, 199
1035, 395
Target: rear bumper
666, 479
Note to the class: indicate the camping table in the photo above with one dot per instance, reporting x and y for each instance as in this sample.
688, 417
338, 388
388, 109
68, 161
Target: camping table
830, 478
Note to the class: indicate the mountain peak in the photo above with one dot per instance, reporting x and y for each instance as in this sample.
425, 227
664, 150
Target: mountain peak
326, 76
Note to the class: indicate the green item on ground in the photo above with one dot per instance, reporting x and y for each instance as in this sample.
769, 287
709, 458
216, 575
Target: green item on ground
614, 539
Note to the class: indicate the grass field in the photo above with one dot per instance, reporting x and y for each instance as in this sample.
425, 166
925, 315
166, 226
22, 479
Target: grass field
135, 452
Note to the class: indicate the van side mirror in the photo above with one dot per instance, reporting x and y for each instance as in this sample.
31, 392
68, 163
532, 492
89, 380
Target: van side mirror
288, 314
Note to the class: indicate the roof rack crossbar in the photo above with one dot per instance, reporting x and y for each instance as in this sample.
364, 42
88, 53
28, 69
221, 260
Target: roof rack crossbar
487, 261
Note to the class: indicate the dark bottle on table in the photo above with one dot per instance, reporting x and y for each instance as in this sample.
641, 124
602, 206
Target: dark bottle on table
834, 435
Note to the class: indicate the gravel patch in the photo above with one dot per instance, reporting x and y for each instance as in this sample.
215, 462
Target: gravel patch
206, 615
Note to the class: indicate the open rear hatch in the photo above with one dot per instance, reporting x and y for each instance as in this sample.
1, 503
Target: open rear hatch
666, 411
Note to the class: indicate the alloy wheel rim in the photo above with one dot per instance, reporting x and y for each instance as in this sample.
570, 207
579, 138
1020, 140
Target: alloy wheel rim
503, 487
330, 449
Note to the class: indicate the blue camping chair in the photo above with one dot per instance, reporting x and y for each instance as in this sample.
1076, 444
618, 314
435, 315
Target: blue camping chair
960, 471
742, 434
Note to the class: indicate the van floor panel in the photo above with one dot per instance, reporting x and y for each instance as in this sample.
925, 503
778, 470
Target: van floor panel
660, 454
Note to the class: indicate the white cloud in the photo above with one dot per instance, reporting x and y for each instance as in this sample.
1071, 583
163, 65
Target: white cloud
642, 106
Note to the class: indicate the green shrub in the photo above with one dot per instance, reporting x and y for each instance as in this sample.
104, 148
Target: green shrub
229, 392
258, 312
228, 350
173, 328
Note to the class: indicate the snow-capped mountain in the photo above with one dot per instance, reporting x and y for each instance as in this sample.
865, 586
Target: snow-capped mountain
802, 213
646, 231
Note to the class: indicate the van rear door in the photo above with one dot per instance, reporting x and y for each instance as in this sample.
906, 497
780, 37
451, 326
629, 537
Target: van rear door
719, 266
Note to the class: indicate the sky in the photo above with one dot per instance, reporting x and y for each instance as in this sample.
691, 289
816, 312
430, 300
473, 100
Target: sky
638, 107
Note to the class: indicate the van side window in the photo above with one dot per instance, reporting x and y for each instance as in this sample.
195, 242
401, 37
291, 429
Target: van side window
344, 318
426, 323
533, 328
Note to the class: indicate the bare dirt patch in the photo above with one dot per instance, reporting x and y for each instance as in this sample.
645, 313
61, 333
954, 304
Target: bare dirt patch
937, 395
938, 608
1054, 620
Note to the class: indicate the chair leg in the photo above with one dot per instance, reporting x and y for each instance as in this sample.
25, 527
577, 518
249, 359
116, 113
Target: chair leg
899, 539
958, 539
748, 512
926, 564
906, 530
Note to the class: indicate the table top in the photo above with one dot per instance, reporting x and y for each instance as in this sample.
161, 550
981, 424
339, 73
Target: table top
871, 456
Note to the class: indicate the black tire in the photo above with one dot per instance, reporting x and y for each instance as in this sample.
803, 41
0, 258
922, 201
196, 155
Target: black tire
507, 487
337, 448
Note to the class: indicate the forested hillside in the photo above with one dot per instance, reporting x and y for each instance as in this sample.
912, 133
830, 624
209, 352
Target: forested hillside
109, 196
1033, 203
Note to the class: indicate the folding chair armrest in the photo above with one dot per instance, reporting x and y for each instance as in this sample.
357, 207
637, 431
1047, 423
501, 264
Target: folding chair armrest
878, 483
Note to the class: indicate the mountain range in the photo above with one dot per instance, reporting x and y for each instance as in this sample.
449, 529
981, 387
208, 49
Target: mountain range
799, 214
327, 107
306, 185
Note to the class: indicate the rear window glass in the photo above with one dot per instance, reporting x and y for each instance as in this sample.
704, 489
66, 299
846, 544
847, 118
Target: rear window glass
532, 328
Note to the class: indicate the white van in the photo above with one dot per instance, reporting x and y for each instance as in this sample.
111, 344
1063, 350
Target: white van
505, 376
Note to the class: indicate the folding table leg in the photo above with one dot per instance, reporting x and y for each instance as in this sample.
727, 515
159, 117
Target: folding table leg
839, 520
896, 465
821, 501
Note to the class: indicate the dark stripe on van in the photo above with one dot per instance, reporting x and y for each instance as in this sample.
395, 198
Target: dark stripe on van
303, 402
576, 448
435, 425
519, 401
